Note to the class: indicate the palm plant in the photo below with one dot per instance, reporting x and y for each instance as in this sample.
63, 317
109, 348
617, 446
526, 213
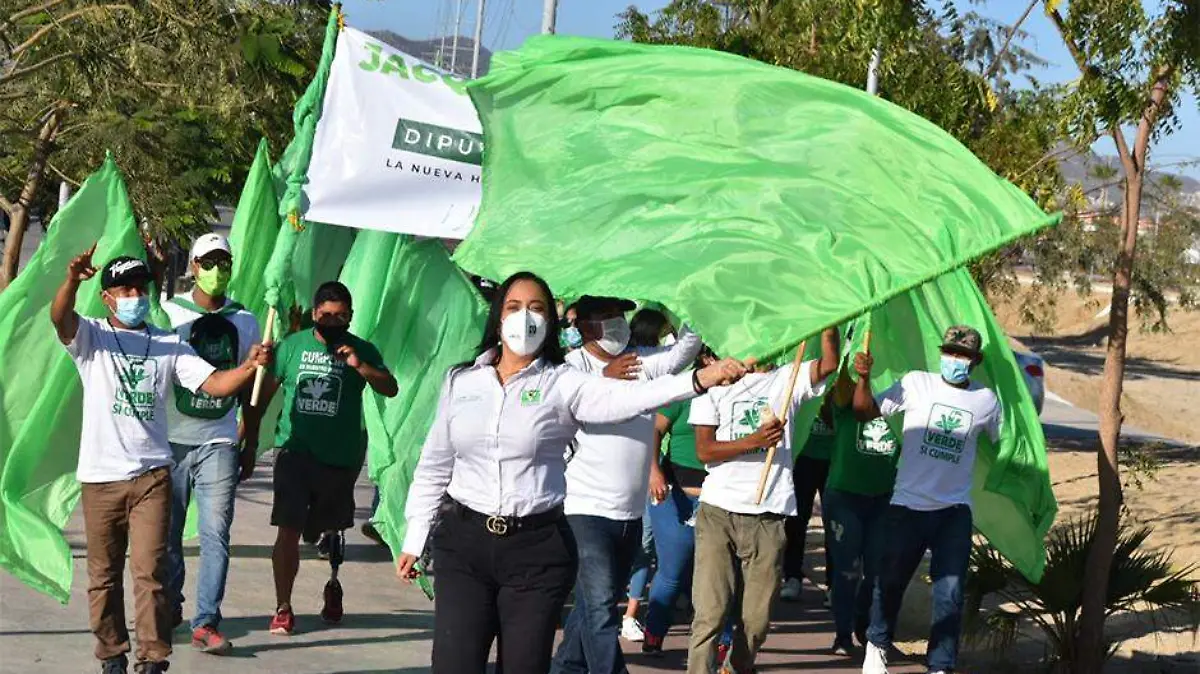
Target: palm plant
1141, 583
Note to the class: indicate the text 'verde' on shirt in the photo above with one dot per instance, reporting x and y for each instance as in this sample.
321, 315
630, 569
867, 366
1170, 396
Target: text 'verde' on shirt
942, 424
864, 460
322, 404
736, 411
127, 376
188, 430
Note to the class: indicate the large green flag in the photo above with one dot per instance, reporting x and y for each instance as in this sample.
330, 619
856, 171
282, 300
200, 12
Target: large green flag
1014, 503
40, 391
252, 236
424, 314
758, 203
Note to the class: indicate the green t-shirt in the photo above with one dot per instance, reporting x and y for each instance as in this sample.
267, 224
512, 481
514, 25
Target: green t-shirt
322, 404
681, 446
821, 440
864, 461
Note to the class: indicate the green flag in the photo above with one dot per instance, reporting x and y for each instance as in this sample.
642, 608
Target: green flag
1014, 504
758, 203
252, 236
424, 314
41, 399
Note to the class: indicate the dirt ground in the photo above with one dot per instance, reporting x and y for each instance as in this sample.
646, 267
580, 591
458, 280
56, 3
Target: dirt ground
1162, 382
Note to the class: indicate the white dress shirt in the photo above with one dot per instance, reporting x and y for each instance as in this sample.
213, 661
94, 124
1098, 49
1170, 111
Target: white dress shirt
498, 449
609, 474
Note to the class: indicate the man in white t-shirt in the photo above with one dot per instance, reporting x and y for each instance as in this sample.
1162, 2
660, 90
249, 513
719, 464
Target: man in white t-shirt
733, 532
944, 415
608, 478
204, 436
128, 368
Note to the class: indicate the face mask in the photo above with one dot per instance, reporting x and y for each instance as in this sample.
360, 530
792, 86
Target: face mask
616, 336
213, 281
523, 332
955, 369
131, 311
571, 338
333, 335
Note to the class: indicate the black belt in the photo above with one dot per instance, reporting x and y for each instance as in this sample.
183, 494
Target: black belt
502, 526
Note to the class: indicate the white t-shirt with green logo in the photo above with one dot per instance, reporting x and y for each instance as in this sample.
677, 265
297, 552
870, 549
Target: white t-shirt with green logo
942, 424
736, 411
127, 376
188, 430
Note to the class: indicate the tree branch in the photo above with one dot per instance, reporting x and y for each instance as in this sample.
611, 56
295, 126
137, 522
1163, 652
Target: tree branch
20, 72
57, 23
1160, 86
33, 10
991, 71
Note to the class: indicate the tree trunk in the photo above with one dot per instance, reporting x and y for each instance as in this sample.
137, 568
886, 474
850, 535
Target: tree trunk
1091, 645
19, 217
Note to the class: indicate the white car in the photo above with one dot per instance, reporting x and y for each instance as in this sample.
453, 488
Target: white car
1034, 370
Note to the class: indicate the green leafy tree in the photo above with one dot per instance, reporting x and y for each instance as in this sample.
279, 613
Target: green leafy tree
1134, 70
180, 91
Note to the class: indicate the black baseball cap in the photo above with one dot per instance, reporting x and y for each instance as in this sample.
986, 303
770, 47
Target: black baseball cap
963, 340
590, 305
124, 271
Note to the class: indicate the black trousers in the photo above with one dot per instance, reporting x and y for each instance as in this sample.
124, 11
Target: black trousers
512, 587
809, 476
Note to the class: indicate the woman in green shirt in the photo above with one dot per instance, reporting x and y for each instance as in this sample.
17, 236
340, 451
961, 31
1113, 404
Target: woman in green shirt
862, 471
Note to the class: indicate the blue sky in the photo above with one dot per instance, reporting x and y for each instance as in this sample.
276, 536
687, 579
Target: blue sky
508, 22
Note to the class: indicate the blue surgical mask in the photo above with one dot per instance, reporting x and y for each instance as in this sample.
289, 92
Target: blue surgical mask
132, 311
954, 369
571, 337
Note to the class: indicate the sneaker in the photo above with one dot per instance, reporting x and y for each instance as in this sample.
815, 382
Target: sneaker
208, 640
792, 588
631, 630
875, 661
843, 647
332, 612
283, 622
722, 655
369, 530
117, 665
147, 667
652, 645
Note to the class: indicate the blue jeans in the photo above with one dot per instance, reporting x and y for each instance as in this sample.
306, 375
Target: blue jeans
854, 538
675, 546
908, 534
642, 561
211, 472
606, 551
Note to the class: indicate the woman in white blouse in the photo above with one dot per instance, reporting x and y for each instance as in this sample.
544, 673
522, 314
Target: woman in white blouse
504, 554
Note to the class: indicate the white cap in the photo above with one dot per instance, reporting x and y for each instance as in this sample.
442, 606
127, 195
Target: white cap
208, 243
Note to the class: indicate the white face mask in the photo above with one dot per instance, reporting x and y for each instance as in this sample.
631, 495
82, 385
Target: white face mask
523, 332
615, 337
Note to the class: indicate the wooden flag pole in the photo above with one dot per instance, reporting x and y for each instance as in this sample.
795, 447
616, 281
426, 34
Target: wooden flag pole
867, 343
262, 371
783, 418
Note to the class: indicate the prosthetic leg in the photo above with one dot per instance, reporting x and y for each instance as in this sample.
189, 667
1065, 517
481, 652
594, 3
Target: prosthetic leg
335, 544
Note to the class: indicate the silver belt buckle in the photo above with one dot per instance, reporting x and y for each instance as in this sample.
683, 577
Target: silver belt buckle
497, 525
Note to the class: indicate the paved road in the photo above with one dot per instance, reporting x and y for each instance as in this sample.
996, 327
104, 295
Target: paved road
388, 627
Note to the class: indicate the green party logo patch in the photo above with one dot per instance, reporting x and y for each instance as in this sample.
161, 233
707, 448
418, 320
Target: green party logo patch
531, 397
946, 432
318, 394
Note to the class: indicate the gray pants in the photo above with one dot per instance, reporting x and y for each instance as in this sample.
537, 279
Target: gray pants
737, 557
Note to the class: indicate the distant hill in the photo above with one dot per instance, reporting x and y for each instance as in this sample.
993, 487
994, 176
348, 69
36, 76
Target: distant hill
427, 50
1080, 169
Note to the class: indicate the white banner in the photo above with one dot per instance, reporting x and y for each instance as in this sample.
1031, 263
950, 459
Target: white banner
398, 146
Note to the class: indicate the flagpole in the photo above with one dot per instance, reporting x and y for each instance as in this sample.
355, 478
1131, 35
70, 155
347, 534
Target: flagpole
259, 374
873, 71
457, 29
783, 418
478, 38
549, 15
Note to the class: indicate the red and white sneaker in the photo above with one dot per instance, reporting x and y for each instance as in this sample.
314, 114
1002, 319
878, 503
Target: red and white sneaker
208, 640
283, 622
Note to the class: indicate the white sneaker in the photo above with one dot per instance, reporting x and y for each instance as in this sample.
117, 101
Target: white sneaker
631, 630
875, 661
792, 589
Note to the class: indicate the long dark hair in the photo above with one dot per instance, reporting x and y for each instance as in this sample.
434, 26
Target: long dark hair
552, 349
646, 328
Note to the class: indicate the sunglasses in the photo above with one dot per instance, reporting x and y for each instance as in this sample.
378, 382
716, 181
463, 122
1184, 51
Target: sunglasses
207, 263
